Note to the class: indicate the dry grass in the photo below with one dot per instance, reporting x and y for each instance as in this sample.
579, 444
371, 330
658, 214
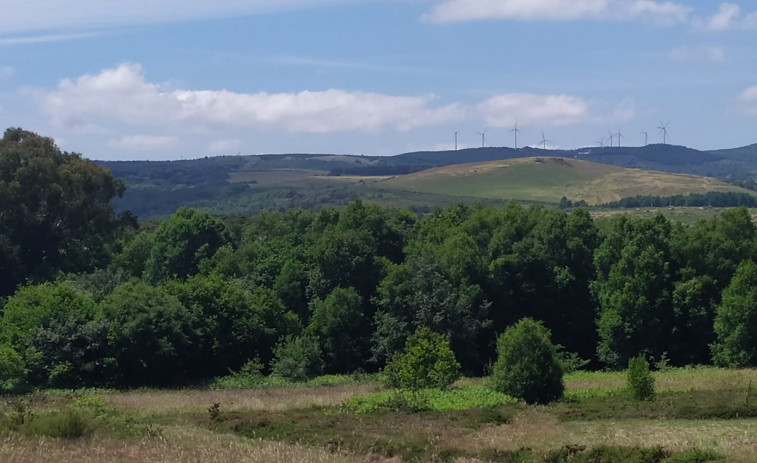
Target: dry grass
541, 431
700, 379
188, 435
548, 179
152, 402
174, 445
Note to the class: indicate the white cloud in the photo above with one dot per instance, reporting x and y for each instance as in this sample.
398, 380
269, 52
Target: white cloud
122, 94
728, 17
144, 142
23, 16
748, 101
558, 10
725, 18
531, 109
24, 40
704, 54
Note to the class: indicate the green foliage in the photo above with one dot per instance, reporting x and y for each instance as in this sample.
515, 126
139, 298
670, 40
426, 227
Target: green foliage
639, 379
56, 210
59, 334
13, 374
153, 338
736, 320
634, 290
182, 242
427, 362
341, 329
68, 423
297, 359
570, 361
457, 398
527, 365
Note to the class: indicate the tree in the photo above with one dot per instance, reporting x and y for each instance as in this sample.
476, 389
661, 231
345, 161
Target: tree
152, 336
527, 365
181, 242
634, 287
426, 363
55, 210
341, 329
236, 324
736, 320
58, 333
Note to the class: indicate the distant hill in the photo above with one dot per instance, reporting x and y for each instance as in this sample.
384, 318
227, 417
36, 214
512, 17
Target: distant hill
667, 158
548, 179
248, 184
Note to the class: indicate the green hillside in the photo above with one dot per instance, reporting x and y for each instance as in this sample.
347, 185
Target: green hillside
547, 179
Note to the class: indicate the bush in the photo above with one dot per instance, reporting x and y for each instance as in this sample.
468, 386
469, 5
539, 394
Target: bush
527, 365
297, 359
640, 380
426, 363
69, 423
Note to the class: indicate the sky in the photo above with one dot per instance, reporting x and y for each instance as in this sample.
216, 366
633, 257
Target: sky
181, 79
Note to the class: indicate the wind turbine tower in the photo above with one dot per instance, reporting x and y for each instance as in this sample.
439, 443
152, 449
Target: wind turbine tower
455, 140
515, 132
483, 137
646, 136
544, 141
611, 135
620, 135
664, 129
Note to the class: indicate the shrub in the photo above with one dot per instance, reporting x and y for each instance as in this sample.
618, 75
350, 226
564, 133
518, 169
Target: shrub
527, 365
640, 380
12, 370
426, 363
297, 359
69, 423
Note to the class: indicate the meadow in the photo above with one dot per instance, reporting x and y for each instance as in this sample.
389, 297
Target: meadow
698, 415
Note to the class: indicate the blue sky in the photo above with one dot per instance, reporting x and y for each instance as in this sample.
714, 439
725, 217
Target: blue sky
171, 79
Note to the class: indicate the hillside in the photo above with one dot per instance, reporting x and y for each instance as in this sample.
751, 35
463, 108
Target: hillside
248, 184
547, 179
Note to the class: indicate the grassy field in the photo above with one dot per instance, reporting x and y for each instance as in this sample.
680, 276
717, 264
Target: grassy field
698, 415
549, 179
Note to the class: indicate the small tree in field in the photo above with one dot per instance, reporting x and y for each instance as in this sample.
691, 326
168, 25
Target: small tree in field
640, 380
427, 362
527, 365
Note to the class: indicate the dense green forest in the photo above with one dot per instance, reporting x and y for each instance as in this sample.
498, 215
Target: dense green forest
91, 299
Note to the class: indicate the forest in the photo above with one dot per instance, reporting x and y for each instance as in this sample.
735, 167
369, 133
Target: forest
94, 299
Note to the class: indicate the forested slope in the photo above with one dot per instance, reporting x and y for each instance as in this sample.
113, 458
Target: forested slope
341, 290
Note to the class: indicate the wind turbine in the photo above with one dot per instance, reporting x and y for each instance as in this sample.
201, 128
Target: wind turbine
515, 132
620, 135
611, 135
455, 140
601, 142
646, 136
483, 137
544, 141
664, 129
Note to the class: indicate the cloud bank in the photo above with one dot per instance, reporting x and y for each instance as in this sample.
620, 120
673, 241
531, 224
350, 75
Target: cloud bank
122, 95
664, 12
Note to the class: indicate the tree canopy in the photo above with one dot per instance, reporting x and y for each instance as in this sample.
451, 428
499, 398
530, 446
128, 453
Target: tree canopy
55, 210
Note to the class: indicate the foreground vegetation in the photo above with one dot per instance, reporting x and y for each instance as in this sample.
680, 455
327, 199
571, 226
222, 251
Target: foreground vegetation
302, 293
698, 415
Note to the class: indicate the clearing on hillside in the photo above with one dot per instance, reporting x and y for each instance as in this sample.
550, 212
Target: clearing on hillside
547, 179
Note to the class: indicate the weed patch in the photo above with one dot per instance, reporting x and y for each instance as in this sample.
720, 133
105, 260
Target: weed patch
461, 398
69, 423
